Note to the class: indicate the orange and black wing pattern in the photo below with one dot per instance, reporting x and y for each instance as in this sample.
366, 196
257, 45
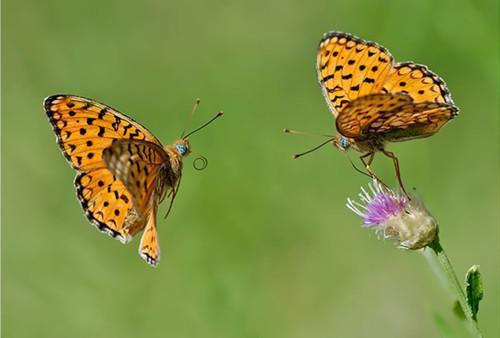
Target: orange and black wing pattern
349, 67
418, 82
84, 129
136, 164
393, 117
149, 248
107, 203
141, 166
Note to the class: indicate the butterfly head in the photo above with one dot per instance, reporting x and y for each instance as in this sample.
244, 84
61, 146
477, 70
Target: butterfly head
182, 146
342, 142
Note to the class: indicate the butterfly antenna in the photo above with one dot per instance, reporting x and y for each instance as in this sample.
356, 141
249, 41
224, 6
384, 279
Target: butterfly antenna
313, 149
307, 133
219, 114
190, 118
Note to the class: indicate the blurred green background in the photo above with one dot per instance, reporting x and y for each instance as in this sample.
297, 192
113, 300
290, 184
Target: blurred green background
258, 245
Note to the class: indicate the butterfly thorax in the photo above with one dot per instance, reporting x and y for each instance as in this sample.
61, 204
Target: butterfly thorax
176, 152
344, 143
368, 146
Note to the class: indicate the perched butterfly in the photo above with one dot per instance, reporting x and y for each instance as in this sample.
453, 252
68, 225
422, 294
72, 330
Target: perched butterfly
376, 100
124, 172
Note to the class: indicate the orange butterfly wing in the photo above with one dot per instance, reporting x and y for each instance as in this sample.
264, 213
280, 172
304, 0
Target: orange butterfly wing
349, 67
149, 249
107, 203
392, 117
137, 165
141, 166
418, 82
84, 128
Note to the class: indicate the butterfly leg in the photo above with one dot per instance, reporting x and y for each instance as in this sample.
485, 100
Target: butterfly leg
369, 169
149, 248
396, 167
173, 192
358, 170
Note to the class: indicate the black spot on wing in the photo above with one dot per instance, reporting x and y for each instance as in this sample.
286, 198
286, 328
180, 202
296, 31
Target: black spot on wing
102, 113
102, 227
134, 134
328, 77
101, 131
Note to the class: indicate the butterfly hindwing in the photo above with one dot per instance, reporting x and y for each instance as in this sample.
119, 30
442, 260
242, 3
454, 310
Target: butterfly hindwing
137, 165
107, 203
411, 121
393, 117
418, 82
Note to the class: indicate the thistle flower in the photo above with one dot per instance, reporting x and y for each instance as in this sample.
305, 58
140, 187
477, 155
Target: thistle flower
395, 216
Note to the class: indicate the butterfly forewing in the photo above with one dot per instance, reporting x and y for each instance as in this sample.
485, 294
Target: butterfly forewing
84, 128
149, 249
349, 67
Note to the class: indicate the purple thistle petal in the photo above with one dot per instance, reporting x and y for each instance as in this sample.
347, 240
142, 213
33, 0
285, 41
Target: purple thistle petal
382, 206
393, 215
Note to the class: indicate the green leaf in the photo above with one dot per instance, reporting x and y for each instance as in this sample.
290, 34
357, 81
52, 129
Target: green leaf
474, 289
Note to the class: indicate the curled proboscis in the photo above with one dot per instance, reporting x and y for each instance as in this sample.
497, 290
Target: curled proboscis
200, 163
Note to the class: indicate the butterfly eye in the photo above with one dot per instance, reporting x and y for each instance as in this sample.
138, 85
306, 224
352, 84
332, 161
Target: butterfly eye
344, 142
181, 148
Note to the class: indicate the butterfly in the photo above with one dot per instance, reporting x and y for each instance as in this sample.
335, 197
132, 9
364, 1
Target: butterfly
375, 100
123, 171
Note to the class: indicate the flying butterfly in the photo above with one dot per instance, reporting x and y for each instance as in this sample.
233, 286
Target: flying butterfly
376, 100
123, 171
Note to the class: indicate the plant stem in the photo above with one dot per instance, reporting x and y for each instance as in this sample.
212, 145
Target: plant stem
442, 266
